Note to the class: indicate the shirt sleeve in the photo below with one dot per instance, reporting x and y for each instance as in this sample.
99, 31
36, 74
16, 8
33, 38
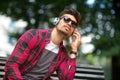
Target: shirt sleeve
66, 70
18, 56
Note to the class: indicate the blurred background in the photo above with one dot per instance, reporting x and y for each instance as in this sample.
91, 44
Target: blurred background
99, 27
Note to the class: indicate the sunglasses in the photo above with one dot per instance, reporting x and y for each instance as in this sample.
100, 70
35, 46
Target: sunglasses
67, 20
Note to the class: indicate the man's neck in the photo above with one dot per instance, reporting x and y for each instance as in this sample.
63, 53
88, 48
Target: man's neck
56, 37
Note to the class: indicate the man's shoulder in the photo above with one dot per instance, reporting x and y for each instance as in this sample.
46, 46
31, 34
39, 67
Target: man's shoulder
34, 31
44, 30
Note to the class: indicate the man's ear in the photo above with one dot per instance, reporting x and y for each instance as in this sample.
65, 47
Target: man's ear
56, 20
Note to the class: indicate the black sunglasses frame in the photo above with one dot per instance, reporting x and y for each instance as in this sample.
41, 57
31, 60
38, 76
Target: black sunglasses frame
67, 20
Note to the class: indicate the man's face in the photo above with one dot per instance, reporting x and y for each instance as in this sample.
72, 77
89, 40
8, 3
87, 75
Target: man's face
67, 24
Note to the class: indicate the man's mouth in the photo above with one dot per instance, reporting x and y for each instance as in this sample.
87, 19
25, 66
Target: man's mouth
67, 28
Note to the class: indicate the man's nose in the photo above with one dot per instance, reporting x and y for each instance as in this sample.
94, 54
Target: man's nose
70, 23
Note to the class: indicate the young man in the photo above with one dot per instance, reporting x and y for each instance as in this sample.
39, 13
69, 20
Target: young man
38, 52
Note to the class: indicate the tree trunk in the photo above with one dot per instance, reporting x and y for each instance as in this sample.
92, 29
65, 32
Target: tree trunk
115, 68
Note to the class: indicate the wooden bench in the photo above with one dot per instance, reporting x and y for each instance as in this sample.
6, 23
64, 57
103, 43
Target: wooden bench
83, 72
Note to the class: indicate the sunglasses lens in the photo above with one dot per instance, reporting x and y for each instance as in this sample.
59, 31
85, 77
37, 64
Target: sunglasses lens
74, 24
67, 20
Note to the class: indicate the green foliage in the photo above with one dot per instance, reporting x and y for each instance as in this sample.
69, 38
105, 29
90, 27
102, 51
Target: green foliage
101, 19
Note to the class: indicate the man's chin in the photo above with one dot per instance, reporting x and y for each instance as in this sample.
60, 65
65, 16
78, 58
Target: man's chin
64, 32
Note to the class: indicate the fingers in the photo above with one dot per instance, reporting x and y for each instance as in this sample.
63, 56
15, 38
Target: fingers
77, 34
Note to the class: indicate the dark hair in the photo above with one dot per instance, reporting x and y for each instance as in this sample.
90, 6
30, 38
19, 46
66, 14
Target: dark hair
73, 12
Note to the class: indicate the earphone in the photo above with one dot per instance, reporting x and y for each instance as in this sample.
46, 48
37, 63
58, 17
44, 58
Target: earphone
56, 20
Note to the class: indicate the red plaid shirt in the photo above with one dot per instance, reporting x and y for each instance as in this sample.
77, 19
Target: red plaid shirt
27, 52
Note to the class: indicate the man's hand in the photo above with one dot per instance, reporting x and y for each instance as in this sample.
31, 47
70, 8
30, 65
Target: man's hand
76, 40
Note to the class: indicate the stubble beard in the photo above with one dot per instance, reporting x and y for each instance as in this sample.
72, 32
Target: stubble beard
63, 32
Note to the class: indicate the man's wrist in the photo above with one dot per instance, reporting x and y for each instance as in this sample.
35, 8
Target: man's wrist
74, 52
74, 49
